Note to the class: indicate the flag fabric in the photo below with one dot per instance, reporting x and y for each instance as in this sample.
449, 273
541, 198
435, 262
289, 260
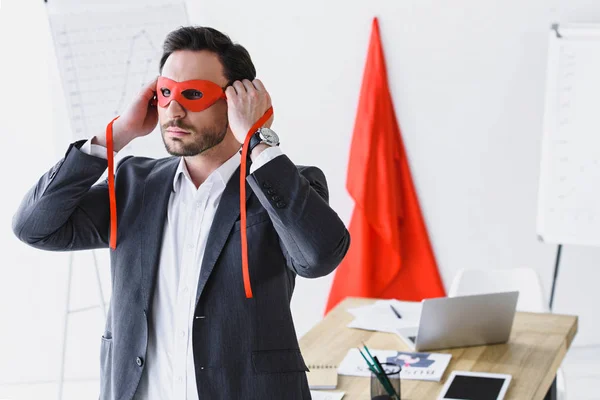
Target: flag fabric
390, 255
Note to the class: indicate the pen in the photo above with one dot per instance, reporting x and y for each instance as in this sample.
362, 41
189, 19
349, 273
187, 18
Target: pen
371, 357
368, 363
395, 311
381, 375
386, 380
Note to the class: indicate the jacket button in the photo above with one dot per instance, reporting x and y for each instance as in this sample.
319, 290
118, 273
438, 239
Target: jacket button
139, 361
276, 198
271, 192
280, 204
267, 184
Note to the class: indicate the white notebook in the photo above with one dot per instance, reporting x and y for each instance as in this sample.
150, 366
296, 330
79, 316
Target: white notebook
322, 376
326, 395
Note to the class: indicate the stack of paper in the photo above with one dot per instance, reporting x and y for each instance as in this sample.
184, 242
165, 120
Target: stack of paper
386, 316
416, 366
326, 395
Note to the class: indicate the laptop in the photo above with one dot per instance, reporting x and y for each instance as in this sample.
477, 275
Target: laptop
462, 321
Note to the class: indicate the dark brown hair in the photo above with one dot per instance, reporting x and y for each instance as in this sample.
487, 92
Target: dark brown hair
236, 61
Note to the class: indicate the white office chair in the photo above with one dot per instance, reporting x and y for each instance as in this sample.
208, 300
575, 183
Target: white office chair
525, 280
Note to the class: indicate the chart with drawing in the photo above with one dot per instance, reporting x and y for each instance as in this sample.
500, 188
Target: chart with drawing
105, 58
569, 199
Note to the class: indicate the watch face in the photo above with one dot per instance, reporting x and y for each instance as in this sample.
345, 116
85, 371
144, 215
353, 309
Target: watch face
269, 137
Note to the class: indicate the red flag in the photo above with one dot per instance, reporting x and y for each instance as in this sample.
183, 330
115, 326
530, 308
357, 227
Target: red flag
390, 255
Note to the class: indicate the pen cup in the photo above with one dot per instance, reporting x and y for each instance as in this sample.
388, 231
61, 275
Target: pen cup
381, 390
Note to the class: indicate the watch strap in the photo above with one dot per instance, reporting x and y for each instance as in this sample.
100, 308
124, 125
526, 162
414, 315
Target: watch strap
255, 140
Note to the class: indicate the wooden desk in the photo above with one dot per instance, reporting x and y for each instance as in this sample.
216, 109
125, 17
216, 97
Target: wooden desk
537, 346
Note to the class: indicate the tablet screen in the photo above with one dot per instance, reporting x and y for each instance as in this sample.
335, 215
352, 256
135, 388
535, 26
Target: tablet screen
474, 388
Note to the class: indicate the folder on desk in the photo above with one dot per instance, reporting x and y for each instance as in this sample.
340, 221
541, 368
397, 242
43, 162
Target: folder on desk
322, 376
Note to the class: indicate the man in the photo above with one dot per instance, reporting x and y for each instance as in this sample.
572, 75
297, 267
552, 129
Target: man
180, 325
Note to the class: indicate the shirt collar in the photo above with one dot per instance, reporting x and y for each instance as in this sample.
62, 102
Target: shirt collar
222, 174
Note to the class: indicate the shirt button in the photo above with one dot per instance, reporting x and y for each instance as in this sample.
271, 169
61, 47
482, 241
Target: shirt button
190, 246
185, 290
180, 379
139, 361
182, 333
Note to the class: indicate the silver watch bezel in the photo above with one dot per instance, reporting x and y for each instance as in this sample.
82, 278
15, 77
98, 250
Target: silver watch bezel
268, 136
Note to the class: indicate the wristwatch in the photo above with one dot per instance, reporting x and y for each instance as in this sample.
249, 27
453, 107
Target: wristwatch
263, 135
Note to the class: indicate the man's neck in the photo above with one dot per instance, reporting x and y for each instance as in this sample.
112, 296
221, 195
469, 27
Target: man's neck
201, 166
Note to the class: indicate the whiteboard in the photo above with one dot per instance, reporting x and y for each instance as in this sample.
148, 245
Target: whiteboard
569, 186
105, 55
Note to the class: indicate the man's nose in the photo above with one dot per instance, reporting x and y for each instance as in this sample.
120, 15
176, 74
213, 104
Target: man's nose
175, 110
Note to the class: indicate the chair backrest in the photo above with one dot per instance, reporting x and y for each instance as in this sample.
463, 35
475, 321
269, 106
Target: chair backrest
525, 280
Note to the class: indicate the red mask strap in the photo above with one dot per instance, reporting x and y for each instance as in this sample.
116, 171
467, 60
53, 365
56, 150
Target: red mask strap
111, 184
244, 235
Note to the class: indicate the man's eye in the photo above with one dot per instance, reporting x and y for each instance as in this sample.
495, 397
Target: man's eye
192, 94
165, 92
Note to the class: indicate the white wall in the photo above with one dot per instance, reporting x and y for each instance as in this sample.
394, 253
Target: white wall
468, 86
467, 79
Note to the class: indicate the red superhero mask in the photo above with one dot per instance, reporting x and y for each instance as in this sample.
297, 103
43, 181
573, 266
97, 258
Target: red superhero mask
193, 95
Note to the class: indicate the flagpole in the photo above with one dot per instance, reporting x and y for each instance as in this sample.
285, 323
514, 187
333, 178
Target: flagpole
556, 264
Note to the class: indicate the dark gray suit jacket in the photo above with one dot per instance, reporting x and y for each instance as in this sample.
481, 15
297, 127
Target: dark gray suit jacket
243, 348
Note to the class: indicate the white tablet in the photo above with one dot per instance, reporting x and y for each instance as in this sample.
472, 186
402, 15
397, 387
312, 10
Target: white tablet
467, 385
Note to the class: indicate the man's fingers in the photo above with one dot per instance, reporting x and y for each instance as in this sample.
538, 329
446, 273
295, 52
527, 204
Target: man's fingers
239, 87
260, 88
230, 92
248, 86
246, 89
259, 85
149, 90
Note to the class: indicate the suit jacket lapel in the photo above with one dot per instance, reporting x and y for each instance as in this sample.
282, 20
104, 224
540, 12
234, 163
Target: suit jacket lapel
226, 215
157, 190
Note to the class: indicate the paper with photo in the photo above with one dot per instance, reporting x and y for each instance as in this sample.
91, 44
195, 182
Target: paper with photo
415, 365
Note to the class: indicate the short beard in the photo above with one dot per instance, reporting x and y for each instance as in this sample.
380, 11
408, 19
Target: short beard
209, 138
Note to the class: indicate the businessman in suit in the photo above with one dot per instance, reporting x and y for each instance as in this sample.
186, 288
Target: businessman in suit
180, 325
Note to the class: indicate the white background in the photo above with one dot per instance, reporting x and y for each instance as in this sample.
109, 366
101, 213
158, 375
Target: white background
467, 78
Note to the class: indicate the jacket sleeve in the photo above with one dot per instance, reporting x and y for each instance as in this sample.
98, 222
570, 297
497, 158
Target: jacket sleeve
65, 209
313, 237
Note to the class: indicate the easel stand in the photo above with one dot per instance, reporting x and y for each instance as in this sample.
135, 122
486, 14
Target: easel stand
556, 264
69, 311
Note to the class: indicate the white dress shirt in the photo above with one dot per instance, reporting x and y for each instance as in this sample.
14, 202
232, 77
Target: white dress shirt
169, 370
